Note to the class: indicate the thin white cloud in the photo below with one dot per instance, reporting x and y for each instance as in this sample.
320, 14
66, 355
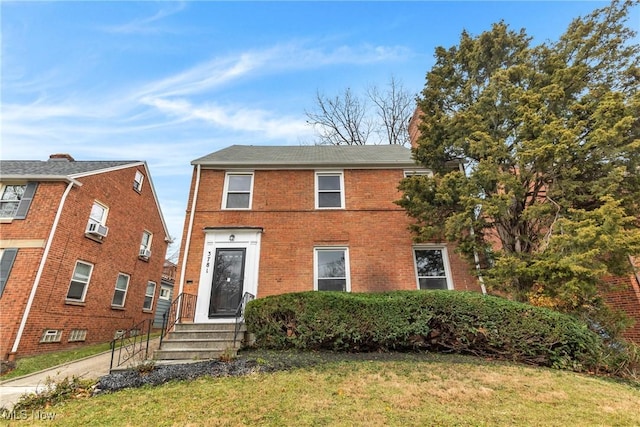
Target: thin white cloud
145, 25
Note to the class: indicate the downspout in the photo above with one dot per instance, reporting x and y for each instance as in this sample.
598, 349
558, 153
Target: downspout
187, 241
476, 258
36, 282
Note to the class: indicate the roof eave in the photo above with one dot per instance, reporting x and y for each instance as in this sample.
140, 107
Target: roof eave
40, 178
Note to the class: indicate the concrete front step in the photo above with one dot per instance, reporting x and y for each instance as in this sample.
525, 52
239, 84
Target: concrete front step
200, 344
190, 354
200, 341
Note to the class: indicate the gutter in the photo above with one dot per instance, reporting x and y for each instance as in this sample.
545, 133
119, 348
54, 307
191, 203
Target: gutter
187, 241
43, 261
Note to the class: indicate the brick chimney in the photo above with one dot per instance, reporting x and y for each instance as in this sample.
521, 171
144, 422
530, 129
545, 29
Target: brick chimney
61, 156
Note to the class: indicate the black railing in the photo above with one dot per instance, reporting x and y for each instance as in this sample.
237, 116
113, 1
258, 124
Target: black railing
240, 313
130, 343
182, 308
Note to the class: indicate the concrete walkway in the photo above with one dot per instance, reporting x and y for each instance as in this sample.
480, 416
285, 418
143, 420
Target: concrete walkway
92, 367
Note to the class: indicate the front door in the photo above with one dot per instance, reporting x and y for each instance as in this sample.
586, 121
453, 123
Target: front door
228, 281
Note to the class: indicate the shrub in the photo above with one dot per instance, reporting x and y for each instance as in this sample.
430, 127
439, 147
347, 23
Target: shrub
444, 321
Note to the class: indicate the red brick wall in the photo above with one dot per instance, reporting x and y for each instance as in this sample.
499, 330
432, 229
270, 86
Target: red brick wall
129, 214
626, 297
372, 227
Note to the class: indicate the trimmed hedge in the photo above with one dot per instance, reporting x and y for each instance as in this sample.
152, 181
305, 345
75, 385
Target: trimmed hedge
444, 321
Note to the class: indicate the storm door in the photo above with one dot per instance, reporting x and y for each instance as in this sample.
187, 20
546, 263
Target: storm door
228, 279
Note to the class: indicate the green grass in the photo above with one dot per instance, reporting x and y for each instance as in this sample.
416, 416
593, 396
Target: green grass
418, 390
31, 364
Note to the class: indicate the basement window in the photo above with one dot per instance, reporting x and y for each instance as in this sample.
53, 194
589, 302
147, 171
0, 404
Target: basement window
77, 335
51, 335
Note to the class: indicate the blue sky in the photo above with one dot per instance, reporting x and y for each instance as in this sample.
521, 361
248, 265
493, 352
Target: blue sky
168, 82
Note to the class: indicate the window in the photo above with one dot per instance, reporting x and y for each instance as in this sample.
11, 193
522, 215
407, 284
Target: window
51, 335
77, 335
118, 334
432, 268
148, 296
79, 281
165, 293
7, 257
424, 172
237, 191
97, 220
15, 200
145, 245
329, 190
331, 269
137, 181
120, 294
10, 199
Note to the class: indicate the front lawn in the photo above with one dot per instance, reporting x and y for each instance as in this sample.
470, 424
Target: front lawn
368, 389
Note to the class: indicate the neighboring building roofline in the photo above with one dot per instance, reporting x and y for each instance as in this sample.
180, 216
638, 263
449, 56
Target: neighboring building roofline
40, 178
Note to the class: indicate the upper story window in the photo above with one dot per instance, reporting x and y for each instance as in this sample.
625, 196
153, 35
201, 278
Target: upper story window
165, 293
145, 244
79, 281
331, 268
97, 219
237, 191
120, 294
432, 268
15, 199
329, 190
137, 181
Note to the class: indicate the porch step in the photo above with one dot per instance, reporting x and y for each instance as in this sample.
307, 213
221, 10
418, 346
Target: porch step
200, 341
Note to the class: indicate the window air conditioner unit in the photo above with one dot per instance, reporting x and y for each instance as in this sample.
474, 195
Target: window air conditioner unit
97, 229
145, 253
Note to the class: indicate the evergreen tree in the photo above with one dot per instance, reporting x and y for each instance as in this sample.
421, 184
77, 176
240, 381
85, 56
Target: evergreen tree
535, 153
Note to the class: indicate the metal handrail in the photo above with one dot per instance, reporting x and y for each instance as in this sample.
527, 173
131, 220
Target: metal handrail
130, 343
240, 313
182, 308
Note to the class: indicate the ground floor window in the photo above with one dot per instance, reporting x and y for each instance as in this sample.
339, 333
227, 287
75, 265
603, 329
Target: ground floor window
432, 268
331, 268
148, 296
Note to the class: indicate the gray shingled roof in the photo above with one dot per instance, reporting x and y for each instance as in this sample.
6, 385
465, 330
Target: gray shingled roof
250, 156
55, 167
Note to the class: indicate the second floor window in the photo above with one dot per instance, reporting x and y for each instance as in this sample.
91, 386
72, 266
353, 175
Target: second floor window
237, 191
145, 244
97, 219
329, 190
10, 199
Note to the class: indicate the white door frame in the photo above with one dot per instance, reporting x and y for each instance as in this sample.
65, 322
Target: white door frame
218, 237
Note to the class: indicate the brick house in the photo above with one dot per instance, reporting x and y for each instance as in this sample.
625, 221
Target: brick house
269, 220
82, 246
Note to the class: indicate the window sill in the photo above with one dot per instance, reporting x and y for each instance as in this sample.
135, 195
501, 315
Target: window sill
6, 220
143, 258
73, 302
92, 237
117, 307
145, 310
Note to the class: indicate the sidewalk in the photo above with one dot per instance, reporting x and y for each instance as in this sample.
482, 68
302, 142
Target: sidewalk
92, 367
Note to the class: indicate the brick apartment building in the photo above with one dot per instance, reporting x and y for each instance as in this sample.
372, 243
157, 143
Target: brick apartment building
269, 220
82, 246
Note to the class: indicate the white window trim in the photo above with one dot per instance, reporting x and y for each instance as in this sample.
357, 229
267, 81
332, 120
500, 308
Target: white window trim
165, 288
126, 290
86, 285
342, 189
146, 247
138, 181
226, 190
153, 296
2, 189
77, 335
51, 335
417, 172
347, 269
103, 221
445, 260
